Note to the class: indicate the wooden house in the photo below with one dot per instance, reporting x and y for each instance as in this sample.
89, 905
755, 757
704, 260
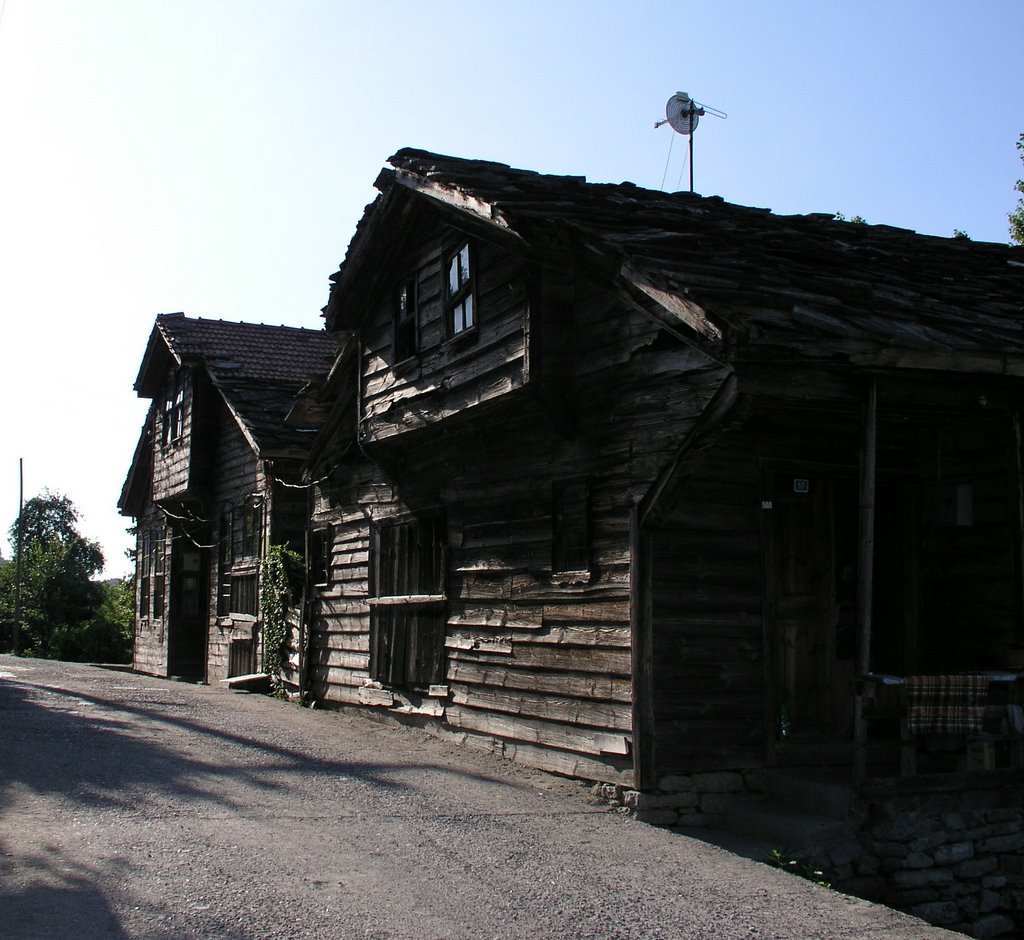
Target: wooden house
214, 481
637, 486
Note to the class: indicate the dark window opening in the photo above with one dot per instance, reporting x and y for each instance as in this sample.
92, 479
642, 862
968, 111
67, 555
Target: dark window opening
224, 559
245, 594
320, 556
406, 321
240, 658
570, 519
224, 594
159, 579
145, 561
407, 610
460, 301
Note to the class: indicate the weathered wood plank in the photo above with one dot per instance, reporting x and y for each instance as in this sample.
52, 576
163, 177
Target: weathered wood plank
344, 659
576, 659
515, 618
511, 676
562, 709
532, 731
352, 642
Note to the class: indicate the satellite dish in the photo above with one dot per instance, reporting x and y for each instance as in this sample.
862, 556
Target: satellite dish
682, 113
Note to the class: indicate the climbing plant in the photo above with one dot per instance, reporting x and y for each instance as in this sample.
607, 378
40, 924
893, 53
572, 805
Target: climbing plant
280, 580
779, 859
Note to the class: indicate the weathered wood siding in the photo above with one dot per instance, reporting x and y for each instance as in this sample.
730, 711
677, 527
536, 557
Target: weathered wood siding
967, 566
149, 648
292, 659
450, 375
538, 662
240, 479
706, 610
339, 643
943, 592
172, 462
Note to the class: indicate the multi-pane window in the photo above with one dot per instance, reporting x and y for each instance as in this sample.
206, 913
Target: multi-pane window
240, 543
159, 579
151, 573
174, 410
145, 572
406, 326
251, 532
570, 519
407, 610
225, 556
460, 291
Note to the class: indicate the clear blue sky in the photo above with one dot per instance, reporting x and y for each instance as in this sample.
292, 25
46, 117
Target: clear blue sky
214, 157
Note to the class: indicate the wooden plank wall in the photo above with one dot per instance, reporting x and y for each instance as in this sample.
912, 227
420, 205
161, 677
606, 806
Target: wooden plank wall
451, 374
339, 655
968, 584
290, 661
538, 663
953, 600
238, 476
707, 617
149, 653
172, 463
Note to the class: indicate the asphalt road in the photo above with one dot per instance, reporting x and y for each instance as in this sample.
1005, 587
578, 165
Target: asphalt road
138, 807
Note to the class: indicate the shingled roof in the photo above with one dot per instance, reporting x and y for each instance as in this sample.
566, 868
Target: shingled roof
741, 281
257, 368
246, 350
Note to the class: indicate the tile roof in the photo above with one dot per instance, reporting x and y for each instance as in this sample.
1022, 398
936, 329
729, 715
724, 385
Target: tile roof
248, 350
258, 369
749, 279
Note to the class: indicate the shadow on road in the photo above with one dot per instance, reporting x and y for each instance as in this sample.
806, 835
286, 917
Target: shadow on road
52, 897
98, 750
144, 751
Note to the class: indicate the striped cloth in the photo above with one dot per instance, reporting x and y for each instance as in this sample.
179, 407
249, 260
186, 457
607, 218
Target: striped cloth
949, 704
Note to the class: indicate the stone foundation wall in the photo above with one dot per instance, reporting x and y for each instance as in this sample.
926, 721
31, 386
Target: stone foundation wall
690, 800
953, 855
955, 860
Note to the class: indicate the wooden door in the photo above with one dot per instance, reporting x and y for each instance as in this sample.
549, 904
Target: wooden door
800, 595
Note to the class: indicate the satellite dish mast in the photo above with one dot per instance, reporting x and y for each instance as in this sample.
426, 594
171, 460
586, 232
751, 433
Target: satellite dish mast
682, 113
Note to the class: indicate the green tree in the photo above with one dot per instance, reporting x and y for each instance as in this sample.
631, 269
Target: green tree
1017, 216
65, 614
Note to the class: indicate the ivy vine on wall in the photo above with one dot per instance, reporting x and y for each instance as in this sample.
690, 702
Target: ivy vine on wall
280, 584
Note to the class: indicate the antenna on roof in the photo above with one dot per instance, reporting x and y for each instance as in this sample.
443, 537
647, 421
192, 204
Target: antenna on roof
683, 113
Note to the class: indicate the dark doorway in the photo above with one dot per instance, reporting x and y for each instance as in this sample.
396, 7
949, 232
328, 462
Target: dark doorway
802, 599
188, 615
811, 579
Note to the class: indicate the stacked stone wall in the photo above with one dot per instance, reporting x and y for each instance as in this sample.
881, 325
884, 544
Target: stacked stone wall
955, 860
953, 857
690, 800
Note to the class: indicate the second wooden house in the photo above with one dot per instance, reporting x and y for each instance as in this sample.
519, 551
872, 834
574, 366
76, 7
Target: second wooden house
213, 483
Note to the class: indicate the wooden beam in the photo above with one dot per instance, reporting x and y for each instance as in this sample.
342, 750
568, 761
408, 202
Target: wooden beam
865, 573
403, 600
1017, 468
866, 554
640, 622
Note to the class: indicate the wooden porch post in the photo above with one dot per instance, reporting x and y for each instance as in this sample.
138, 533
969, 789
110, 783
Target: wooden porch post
640, 630
865, 574
1018, 492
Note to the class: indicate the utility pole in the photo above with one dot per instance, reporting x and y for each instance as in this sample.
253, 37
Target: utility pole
17, 570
